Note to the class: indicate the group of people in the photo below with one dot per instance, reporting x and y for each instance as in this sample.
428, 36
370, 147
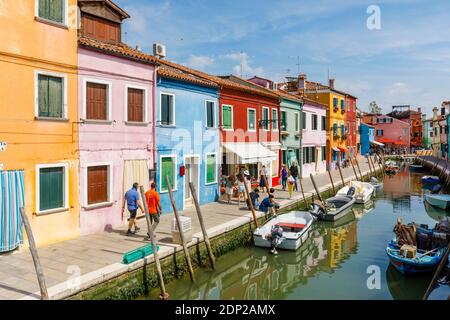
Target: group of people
134, 202
289, 178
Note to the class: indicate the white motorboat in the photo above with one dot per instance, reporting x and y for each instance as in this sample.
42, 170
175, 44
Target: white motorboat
287, 231
363, 191
333, 209
376, 184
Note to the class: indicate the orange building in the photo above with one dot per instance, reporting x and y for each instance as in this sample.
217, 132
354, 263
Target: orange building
38, 86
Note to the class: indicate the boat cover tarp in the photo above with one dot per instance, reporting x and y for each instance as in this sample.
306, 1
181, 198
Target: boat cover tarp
405, 234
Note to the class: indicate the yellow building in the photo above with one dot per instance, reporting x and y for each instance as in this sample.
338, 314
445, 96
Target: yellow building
38, 120
336, 116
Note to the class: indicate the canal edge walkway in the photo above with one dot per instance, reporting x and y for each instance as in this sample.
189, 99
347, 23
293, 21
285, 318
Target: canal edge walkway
97, 257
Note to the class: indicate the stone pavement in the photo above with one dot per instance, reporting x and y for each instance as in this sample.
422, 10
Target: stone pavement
97, 258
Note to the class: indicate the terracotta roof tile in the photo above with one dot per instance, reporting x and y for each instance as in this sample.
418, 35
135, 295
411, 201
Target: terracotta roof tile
117, 49
177, 74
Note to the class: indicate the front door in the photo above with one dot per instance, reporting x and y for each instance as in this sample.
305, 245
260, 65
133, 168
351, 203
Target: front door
191, 175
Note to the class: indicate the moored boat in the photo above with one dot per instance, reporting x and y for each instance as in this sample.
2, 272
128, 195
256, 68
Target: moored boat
425, 261
334, 208
287, 231
415, 168
438, 200
376, 184
430, 180
363, 191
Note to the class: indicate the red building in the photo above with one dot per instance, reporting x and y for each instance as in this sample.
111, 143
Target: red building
249, 121
351, 125
414, 118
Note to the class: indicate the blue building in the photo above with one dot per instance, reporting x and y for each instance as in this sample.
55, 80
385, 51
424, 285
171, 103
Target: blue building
187, 137
367, 133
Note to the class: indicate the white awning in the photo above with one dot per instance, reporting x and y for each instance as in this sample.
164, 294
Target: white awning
251, 152
377, 143
336, 149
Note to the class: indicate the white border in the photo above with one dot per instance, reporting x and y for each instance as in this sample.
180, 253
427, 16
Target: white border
175, 177
36, 92
232, 117
273, 122
217, 167
65, 191
174, 123
110, 183
65, 15
145, 106
206, 115
268, 119
248, 120
108, 102
197, 156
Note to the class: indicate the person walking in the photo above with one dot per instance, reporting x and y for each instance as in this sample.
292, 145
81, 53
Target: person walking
241, 189
229, 187
284, 176
133, 202
262, 177
294, 173
154, 206
290, 185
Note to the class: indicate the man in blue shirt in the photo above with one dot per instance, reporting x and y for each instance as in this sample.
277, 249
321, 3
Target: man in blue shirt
133, 201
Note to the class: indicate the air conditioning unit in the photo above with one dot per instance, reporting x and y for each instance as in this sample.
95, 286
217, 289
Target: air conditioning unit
159, 50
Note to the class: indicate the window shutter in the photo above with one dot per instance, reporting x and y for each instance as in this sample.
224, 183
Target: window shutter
56, 10
135, 105
335, 102
43, 96
210, 169
96, 98
167, 169
44, 9
97, 184
226, 115
55, 93
51, 188
303, 120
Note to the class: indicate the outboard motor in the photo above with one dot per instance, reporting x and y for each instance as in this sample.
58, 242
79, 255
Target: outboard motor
317, 209
351, 191
276, 235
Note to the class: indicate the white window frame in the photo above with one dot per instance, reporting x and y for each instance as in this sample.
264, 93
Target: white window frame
175, 175
268, 119
173, 124
248, 120
109, 165
63, 76
145, 105
273, 122
216, 168
108, 103
65, 15
232, 117
206, 115
66, 187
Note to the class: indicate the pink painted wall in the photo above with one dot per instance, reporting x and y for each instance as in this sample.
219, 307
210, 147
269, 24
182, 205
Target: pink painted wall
311, 138
112, 143
397, 131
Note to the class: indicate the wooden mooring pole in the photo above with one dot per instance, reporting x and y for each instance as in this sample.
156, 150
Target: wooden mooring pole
340, 173
370, 166
180, 230
34, 255
359, 169
164, 295
332, 183
354, 170
315, 187
202, 225
303, 193
255, 219
437, 273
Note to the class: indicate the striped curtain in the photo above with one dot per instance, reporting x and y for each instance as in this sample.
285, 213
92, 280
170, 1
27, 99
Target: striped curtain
135, 171
11, 199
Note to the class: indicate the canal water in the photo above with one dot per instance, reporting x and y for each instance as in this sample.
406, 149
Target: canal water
337, 262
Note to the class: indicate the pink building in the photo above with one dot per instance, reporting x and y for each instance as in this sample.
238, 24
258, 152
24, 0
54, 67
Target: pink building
314, 137
393, 133
116, 130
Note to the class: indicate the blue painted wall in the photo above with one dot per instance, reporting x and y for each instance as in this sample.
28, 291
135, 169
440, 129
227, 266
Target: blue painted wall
367, 135
189, 136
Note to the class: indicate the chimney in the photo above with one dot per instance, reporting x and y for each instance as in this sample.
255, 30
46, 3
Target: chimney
419, 110
302, 81
331, 83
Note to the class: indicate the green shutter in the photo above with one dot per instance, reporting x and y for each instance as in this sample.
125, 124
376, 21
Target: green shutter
57, 10
44, 9
226, 117
51, 188
211, 169
167, 169
43, 96
55, 93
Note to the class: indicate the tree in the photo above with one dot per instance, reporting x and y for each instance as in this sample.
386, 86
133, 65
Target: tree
374, 108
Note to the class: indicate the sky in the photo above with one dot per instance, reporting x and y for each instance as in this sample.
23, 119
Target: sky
406, 61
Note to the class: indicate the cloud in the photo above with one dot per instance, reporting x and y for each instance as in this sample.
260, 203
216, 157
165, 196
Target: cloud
243, 67
199, 62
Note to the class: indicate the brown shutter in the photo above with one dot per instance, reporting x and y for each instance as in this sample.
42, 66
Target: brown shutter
135, 105
100, 29
96, 101
97, 185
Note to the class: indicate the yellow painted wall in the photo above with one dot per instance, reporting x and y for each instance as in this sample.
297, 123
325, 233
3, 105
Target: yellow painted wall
28, 45
332, 117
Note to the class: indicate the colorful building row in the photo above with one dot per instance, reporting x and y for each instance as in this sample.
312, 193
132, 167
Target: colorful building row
92, 116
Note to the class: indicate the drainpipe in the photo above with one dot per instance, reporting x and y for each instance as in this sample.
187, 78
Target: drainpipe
155, 83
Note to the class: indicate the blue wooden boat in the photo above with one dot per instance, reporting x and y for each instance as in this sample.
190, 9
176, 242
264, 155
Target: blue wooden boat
438, 200
421, 264
430, 180
415, 168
